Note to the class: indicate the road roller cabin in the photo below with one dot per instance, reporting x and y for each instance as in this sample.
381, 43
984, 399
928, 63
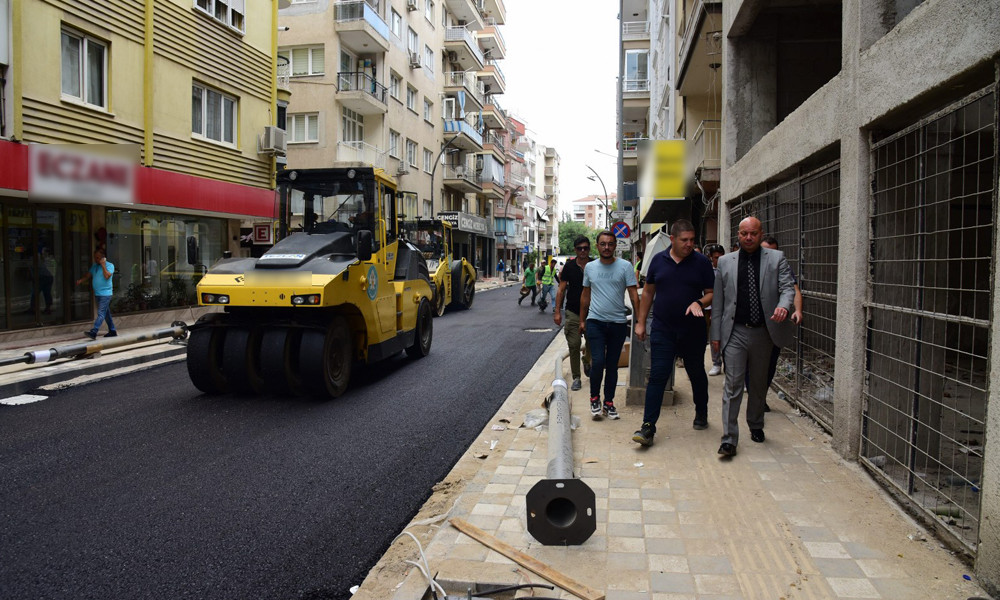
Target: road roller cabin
344, 289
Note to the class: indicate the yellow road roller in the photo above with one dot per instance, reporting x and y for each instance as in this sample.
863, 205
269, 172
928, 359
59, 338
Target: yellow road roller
342, 289
454, 279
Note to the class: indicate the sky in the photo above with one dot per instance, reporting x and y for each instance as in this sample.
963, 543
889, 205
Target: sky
561, 70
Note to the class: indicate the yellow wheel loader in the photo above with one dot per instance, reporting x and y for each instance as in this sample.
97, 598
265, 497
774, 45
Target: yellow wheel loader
343, 290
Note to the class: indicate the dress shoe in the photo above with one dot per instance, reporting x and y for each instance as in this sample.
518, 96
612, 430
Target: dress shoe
90, 334
700, 423
111, 334
727, 450
757, 435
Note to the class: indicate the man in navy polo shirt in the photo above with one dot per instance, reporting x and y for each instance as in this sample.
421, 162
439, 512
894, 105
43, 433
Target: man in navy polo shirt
685, 280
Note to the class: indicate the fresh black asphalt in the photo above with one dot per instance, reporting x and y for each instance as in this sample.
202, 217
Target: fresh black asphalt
141, 487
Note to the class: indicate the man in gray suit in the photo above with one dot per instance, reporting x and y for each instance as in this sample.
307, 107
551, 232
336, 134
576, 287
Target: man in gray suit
754, 294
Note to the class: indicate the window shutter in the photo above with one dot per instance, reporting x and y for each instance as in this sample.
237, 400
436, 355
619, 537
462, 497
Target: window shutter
318, 65
313, 127
300, 61
299, 128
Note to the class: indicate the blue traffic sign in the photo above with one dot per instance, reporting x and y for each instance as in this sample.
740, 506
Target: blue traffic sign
621, 230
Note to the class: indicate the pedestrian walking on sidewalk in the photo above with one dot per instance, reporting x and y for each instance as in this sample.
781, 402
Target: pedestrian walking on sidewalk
529, 286
603, 319
752, 299
100, 275
714, 252
548, 278
679, 285
771, 242
570, 288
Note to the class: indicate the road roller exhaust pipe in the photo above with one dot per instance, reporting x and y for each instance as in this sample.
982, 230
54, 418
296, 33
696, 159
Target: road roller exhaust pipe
561, 509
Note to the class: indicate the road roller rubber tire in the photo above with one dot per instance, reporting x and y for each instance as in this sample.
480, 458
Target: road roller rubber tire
279, 361
204, 359
325, 359
241, 360
424, 331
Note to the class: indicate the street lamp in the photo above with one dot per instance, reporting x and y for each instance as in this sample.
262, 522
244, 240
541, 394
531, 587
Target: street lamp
606, 207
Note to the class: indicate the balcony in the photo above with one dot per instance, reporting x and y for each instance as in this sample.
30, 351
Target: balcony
491, 41
458, 81
706, 151
464, 135
461, 178
360, 152
551, 189
699, 48
630, 149
635, 88
463, 48
283, 79
360, 28
492, 77
493, 116
635, 30
470, 11
361, 93
494, 10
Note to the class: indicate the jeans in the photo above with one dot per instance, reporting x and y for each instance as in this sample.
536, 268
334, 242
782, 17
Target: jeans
605, 341
571, 327
548, 290
664, 347
103, 312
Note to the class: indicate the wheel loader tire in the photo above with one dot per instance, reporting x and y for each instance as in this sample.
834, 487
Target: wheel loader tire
204, 359
279, 359
241, 360
325, 359
424, 333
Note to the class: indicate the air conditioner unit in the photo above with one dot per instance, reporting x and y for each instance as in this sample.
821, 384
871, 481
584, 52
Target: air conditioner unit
460, 172
402, 169
453, 56
411, 4
273, 141
414, 60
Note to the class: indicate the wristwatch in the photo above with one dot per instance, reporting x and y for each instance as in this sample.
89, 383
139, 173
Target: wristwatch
700, 304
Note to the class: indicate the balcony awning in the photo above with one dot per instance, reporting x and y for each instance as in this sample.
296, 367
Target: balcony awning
541, 214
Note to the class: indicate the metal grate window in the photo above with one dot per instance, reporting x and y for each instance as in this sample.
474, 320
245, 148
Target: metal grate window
930, 268
803, 215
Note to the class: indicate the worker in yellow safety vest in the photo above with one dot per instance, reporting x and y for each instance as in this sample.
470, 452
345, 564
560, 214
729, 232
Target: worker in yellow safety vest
549, 278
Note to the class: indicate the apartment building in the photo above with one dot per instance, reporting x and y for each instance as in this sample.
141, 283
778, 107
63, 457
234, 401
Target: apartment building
863, 134
121, 128
410, 87
593, 211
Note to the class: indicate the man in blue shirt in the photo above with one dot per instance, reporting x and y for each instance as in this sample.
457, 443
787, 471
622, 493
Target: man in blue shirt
100, 274
603, 319
679, 286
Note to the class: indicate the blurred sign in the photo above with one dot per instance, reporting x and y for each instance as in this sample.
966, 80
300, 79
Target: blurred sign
663, 170
78, 173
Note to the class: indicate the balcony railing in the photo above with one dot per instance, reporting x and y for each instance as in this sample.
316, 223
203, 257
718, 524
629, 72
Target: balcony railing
631, 143
283, 78
467, 80
635, 86
465, 172
635, 30
496, 140
352, 81
706, 147
361, 152
491, 22
461, 126
459, 33
496, 66
359, 10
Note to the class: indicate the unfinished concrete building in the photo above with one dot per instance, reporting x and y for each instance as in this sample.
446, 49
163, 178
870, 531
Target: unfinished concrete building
863, 134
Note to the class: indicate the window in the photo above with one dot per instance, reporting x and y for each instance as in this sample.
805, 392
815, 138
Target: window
428, 107
411, 98
305, 61
413, 41
352, 125
228, 12
429, 58
428, 160
408, 205
394, 82
396, 23
393, 143
411, 153
636, 71
444, 17
84, 69
303, 128
429, 11
213, 114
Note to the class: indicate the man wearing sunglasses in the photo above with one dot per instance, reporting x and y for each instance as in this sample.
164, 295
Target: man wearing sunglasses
570, 288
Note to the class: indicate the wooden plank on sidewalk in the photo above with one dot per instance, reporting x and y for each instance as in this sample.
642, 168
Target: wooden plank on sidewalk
536, 566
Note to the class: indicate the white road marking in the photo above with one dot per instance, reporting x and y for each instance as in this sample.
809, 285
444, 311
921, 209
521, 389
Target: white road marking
22, 399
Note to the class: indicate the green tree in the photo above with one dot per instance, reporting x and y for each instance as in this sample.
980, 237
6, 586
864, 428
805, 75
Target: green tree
568, 230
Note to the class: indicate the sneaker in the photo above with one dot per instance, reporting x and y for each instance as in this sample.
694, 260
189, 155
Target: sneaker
90, 334
610, 411
645, 434
577, 384
595, 408
715, 370
111, 334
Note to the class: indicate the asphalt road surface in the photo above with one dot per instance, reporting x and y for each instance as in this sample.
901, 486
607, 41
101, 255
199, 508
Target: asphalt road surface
142, 487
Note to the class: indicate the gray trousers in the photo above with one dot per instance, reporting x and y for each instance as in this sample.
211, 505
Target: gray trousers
747, 351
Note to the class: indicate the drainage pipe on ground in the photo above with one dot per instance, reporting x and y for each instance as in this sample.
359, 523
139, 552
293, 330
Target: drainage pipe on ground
561, 509
177, 330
